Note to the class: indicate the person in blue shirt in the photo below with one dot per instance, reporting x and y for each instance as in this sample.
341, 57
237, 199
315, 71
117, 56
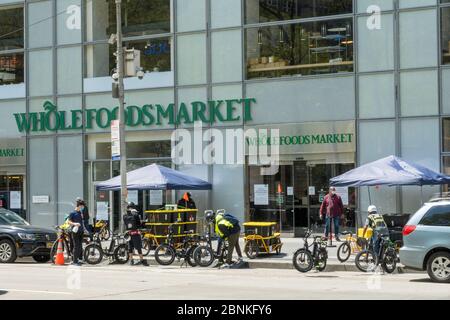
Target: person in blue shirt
76, 222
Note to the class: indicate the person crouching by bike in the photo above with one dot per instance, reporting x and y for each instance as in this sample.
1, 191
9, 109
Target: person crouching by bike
132, 222
227, 227
376, 222
76, 222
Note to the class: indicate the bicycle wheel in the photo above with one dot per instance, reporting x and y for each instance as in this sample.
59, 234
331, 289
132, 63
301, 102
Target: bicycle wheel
93, 254
165, 255
366, 261
322, 257
303, 260
146, 246
190, 256
204, 256
251, 249
121, 255
389, 263
344, 252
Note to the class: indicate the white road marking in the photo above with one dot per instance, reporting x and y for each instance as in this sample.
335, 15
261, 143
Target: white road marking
35, 291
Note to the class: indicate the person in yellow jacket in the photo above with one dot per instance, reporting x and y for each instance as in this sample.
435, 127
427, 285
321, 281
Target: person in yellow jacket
227, 227
376, 222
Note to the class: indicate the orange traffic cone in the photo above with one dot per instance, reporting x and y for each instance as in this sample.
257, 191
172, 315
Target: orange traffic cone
60, 254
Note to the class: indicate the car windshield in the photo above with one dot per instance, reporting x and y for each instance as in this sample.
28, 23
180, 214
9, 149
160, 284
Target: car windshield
11, 218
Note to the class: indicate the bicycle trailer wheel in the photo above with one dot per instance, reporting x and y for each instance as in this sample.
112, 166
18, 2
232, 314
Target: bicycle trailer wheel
165, 255
93, 253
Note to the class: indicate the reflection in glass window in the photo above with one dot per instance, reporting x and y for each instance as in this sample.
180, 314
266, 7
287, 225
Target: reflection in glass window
140, 17
300, 49
137, 149
155, 56
11, 68
445, 35
446, 134
11, 29
278, 10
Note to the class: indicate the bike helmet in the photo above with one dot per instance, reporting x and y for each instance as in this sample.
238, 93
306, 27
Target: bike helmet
131, 205
371, 209
209, 216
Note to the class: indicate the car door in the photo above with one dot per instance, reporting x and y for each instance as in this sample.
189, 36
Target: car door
435, 227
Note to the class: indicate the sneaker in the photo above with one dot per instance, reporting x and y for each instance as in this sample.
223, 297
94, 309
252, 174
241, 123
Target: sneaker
225, 266
139, 263
131, 262
145, 263
76, 264
337, 239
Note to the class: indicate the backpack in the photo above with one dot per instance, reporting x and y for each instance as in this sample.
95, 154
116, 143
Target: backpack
232, 219
130, 222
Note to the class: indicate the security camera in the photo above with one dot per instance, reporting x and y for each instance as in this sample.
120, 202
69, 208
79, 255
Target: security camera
115, 76
140, 74
112, 39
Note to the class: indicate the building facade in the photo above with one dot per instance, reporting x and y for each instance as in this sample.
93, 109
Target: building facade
345, 82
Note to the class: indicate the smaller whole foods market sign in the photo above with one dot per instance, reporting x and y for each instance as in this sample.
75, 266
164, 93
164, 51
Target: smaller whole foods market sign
12, 152
50, 119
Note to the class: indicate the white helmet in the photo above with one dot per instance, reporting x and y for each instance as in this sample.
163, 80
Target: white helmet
372, 208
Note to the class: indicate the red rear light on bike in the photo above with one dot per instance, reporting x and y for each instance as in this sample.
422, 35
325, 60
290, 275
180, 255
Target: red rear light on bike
408, 230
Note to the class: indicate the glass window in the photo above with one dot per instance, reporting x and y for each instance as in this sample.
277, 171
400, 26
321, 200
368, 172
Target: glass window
446, 134
225, 13
139, 18
11, 28
437, 216
445, 34
364, 5
69, 70
68, 21
376, 47
300, 49
136, 150
155, 56
277, 10
41, 73
11, 68
418, 39
416, 3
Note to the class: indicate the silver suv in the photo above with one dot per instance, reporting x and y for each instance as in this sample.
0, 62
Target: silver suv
426, 239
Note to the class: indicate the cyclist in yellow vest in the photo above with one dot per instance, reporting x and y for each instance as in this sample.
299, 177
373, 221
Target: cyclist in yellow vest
227, 227
376, 222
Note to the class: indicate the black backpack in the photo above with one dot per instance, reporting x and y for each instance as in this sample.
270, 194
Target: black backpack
130, 221
232, 219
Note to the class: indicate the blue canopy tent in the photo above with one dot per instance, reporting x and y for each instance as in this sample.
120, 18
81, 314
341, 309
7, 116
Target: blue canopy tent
155, 177
390, 171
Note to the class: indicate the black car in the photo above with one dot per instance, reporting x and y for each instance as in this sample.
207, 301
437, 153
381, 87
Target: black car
19, 239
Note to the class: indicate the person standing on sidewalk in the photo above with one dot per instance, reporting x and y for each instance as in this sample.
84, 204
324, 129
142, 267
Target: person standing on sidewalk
227, 227
76, 222
333, 209
133, 222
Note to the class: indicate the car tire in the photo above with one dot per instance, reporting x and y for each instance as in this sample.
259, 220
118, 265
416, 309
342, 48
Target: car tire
41, 258
438, 267
8, 252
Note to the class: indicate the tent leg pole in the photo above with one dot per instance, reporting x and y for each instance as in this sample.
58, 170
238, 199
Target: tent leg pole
421, 194
370, 200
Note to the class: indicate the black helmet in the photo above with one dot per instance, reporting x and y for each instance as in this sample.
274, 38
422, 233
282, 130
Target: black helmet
131, 205
209, 216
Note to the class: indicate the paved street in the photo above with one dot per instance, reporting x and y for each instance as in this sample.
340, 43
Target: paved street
31, 281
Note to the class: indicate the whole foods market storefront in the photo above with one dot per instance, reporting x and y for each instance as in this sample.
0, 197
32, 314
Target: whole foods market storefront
291, 192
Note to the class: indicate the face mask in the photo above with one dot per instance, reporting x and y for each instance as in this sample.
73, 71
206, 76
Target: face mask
333, 192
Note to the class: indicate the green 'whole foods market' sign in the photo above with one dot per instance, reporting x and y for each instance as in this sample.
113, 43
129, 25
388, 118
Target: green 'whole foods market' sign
147, 115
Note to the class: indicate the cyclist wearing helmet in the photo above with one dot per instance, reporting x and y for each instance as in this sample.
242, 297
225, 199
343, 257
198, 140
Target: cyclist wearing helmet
376, 222
133, 222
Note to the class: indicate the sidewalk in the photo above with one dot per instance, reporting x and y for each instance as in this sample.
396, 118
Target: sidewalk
284, 259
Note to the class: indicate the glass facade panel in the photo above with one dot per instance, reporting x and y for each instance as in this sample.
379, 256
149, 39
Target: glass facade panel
419, 93
376, 46
225, 13
418, 39
364, 5
191, 57
226, 52
416, 3
258, 11
139, 18
40, 24
41, 73
300, 49
446, 134
69, 21
11, 28
69, 73
376, 96
191, 15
